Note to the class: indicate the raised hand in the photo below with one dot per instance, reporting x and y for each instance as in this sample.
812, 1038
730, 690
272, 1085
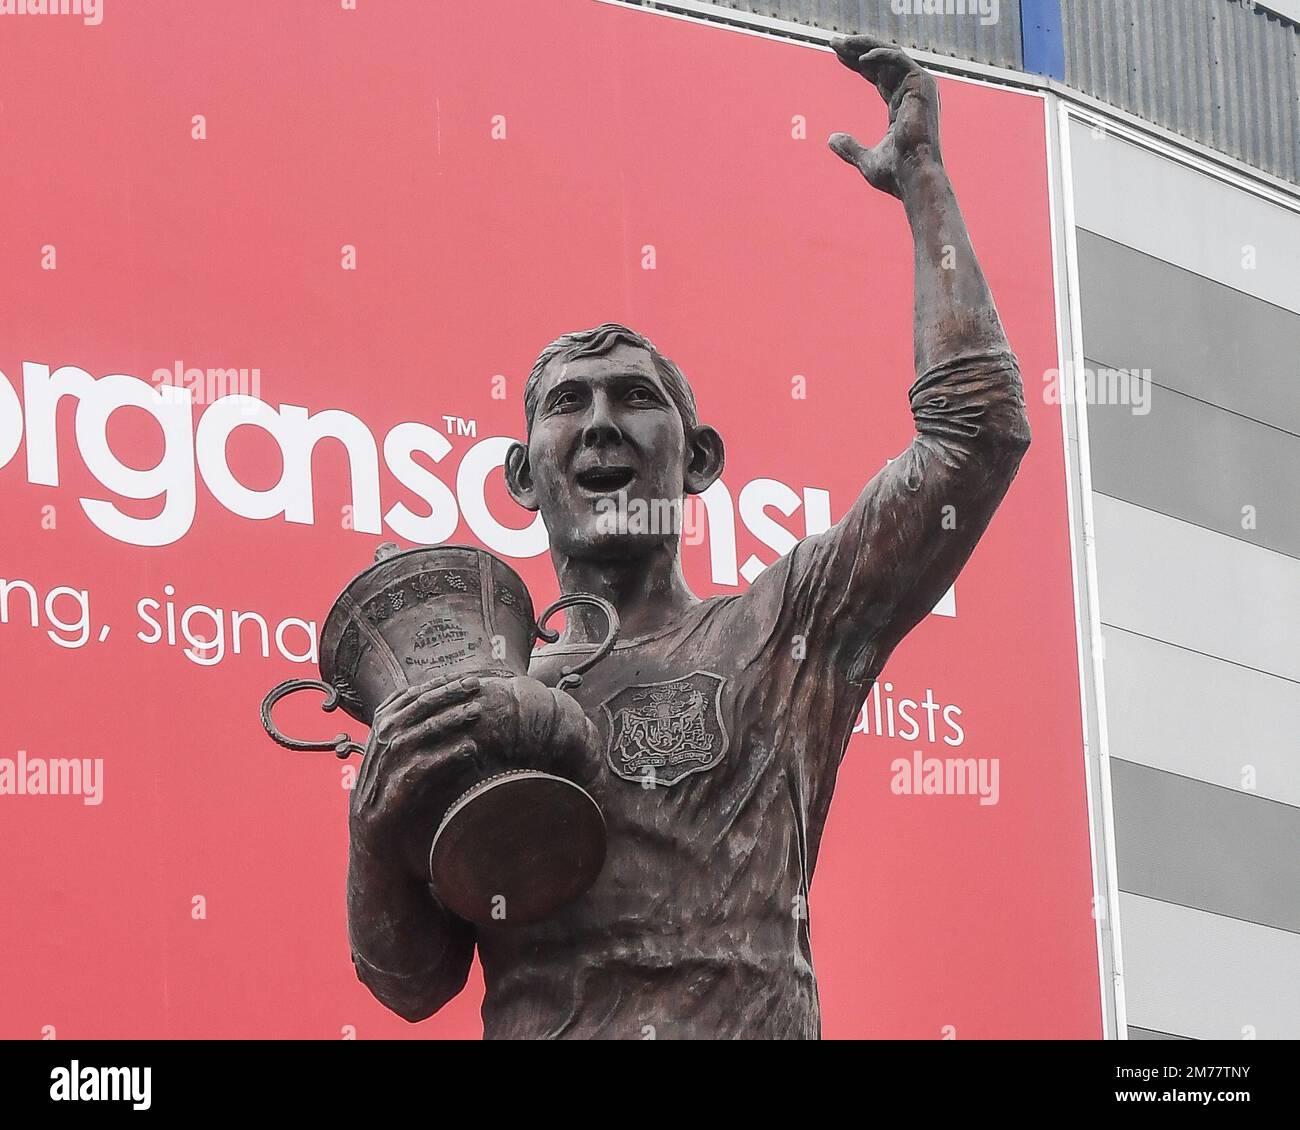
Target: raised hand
912, 140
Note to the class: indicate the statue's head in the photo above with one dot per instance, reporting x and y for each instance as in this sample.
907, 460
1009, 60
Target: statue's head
614, 445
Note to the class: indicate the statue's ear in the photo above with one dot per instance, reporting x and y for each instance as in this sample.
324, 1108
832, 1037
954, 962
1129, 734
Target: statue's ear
705, 457
519, 477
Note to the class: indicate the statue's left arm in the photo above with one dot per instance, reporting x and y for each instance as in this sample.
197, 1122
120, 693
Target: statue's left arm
868, 581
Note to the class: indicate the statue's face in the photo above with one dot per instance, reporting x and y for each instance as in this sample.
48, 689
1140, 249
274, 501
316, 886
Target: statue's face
607, 455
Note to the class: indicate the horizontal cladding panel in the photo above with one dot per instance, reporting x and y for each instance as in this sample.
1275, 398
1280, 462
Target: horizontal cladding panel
1205, 976
1201, 846
1186, 713
1196, 336
1164, 208
1172, 581
1193, 461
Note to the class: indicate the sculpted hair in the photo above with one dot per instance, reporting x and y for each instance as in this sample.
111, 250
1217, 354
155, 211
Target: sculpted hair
598, 341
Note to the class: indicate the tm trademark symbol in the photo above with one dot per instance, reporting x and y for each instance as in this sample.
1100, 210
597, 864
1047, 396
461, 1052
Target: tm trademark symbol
458, 427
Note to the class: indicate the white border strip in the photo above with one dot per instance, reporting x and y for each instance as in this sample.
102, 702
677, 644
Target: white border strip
1092, 682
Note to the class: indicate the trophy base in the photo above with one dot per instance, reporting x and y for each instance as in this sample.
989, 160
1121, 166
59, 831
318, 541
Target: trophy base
517, 847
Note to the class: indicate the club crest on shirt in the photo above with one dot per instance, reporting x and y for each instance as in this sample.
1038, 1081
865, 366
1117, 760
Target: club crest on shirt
669, 729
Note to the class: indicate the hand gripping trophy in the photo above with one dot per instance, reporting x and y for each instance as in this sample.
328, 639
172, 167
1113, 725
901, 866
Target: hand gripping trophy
515, 843
710, 733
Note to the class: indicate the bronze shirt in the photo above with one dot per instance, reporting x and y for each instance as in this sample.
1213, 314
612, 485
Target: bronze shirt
722, 735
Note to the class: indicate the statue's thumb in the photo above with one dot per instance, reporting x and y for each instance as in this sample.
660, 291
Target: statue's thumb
851, 150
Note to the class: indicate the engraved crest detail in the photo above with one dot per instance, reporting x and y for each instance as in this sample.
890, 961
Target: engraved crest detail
669, 729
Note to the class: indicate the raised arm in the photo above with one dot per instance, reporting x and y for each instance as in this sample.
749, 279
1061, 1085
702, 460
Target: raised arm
861, 586
954, 314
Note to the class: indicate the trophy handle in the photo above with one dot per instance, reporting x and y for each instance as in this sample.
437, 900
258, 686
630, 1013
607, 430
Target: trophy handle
572, 676
342, 745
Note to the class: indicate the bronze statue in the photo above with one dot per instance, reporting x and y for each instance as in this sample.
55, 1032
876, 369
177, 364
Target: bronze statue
711, 735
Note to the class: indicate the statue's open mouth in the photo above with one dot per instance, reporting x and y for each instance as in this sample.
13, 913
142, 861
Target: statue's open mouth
605, 480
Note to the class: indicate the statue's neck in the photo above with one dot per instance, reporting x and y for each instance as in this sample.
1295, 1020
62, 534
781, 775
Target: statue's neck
648, 591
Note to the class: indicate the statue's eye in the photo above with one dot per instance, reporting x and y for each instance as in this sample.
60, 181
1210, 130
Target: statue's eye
566, 400
641, 395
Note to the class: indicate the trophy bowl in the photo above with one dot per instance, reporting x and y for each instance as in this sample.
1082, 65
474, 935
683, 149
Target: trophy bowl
515, 845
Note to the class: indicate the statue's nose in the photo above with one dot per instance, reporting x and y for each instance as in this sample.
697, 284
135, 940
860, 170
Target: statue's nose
601, 429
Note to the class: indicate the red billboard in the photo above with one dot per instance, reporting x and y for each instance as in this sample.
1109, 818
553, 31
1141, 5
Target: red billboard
274, 276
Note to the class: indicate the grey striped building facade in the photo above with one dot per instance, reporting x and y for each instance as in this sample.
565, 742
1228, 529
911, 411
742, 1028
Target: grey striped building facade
1175, 137
1193, 281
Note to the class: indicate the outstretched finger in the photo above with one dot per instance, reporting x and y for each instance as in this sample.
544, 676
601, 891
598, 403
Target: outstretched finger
850, 149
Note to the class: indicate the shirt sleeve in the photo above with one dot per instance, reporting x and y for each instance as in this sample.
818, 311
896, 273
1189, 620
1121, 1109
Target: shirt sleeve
843, 599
